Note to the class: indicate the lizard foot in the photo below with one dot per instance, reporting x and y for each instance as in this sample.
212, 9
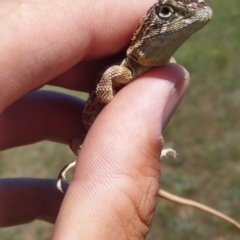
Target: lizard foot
62, 174
75, 145
168, 152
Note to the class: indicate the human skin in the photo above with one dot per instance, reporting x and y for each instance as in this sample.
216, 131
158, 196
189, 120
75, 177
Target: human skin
116, 178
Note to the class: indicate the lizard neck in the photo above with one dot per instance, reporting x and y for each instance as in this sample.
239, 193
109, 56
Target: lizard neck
134, 67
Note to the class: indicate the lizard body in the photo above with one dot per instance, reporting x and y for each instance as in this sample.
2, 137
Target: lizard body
164, 28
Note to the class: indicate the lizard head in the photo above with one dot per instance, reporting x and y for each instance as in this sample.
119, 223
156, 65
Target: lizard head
164, 28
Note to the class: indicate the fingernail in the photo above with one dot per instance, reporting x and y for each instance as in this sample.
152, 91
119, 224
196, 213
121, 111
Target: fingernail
180, 79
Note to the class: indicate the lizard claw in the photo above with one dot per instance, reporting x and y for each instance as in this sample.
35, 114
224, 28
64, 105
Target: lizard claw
168, 152
62, 174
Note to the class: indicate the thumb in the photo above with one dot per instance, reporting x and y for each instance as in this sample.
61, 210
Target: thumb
116, 178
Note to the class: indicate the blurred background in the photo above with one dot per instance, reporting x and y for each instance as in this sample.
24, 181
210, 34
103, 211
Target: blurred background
204, 131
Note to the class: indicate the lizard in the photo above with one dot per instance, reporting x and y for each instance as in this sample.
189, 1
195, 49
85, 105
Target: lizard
164, 28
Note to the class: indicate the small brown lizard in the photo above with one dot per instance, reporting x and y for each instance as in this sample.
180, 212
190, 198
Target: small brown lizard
164, 28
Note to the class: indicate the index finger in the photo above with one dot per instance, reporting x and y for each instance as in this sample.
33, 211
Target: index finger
42, 39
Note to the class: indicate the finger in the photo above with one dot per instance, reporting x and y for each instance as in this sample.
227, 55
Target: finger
41, 115
42, 39
83, 76
25, 200
116, 178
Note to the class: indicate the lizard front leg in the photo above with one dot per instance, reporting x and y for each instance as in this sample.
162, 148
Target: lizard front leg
113, 78
116, 77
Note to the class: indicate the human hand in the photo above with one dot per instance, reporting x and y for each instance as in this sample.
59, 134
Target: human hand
116, 178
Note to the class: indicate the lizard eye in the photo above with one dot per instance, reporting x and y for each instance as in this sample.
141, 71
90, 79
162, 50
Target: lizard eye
165, 12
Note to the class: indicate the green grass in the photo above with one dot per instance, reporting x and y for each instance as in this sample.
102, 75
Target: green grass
204, 131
